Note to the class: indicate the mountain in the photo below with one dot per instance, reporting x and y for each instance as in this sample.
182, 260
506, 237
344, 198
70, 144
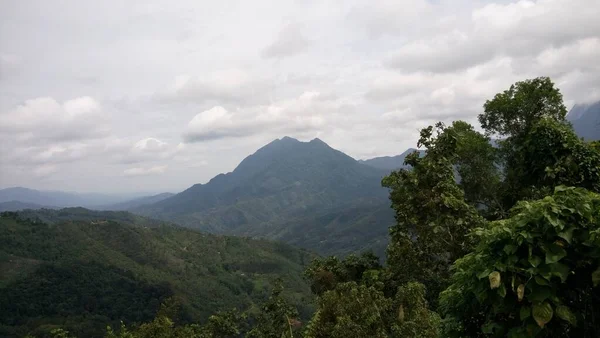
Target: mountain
16, 205
391, 162
83, 270
136, 202
305, 193
58, 198
586, 120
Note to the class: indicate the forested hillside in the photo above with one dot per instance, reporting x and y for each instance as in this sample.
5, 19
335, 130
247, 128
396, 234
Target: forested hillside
82, 270
305, 193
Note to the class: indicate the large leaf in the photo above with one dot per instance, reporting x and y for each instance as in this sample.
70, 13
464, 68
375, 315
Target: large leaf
525, 312
534, 261
520, 292
554, 253
565, 313
494, 279
567, 235
596, 277
542, 313
539, 293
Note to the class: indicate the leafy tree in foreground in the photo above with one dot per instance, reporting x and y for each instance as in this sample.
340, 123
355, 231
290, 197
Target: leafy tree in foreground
432, 216
534, 274
516, 110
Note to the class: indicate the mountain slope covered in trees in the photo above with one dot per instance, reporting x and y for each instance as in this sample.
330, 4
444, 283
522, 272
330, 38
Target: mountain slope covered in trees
305, 193
83, 269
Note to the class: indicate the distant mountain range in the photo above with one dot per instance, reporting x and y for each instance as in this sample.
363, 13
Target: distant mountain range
59, 199
391, 162
19, 198
305, 193
586, 120
136, 202
18, 205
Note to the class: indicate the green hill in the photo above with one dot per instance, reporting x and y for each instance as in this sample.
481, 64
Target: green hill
84, 269
287, 190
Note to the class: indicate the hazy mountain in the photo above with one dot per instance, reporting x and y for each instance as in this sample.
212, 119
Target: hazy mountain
136, 202
390, 162
58, 198
305, 193
83, 270
17, 205
586, 120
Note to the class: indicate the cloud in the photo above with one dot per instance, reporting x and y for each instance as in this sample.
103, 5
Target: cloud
44, 119
44, 170
518, 29
290, 41
307, 112
140, 171
225, 86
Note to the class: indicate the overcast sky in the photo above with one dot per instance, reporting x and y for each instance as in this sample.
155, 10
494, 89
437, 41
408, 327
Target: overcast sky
123, 96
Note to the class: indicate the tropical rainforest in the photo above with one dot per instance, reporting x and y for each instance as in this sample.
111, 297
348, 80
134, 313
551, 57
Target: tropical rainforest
496, 234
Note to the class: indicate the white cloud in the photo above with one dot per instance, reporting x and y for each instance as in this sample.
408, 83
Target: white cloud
523, 28
305, 113
45, 119
224, 86
140, 171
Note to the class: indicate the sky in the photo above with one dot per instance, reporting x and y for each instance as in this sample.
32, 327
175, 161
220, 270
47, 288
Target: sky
150, 96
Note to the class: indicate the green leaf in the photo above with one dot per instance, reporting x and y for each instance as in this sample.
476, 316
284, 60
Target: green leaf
565, 314
567, 235
510, 249
525, 312
534, 261
559, 270
542, 313
596, 277
539, 293
502, 291
554, 253
484, 273
541, 280
495, 279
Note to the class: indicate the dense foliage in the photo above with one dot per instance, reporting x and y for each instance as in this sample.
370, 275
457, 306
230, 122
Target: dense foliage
537, 269
86, 273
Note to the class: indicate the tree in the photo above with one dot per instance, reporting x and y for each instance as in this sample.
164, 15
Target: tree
478, 166
515, 111
351, 311
534, 274
432, 217
325, 273
277, 317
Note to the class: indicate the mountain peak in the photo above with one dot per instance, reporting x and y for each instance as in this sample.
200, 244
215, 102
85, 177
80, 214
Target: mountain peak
317, 140
289, 139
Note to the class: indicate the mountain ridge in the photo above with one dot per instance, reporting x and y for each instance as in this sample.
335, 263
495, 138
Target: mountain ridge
274, 191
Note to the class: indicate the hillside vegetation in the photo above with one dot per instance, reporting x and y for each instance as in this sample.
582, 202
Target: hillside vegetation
82, 270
